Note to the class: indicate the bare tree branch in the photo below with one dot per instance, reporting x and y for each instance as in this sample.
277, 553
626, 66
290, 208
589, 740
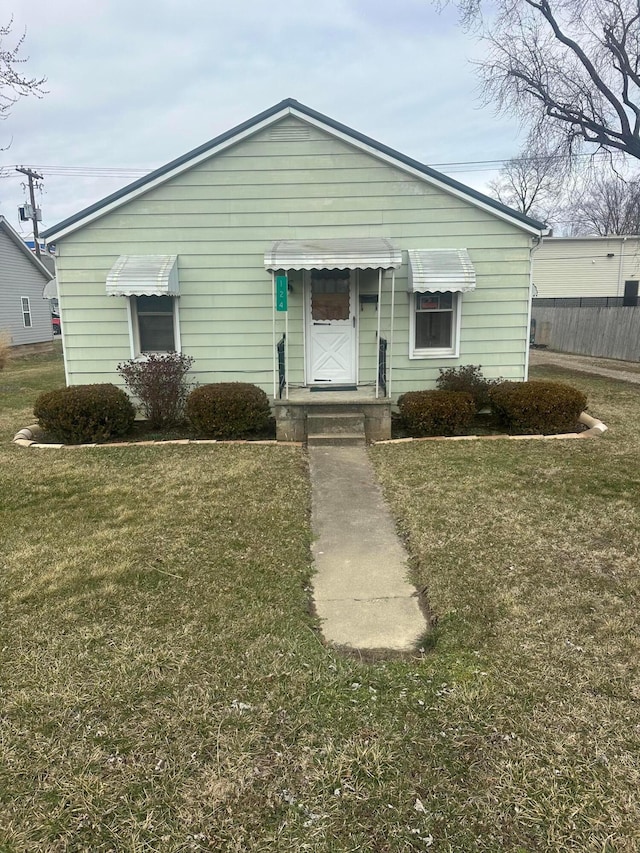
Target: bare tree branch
569, 68
608, 204
13, 83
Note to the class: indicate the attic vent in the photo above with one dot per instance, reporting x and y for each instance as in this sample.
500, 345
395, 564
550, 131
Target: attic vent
289, 134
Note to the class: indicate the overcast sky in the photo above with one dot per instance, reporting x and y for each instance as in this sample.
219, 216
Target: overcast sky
133, 84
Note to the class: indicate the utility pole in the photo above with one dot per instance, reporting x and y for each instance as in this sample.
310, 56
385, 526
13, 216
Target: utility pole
34, 210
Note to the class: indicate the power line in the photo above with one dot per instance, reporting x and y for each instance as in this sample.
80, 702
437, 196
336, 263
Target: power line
132, 172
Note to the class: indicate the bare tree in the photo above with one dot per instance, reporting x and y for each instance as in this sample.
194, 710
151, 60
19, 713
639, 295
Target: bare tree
13, 83
532, 183
569, 68
608, 204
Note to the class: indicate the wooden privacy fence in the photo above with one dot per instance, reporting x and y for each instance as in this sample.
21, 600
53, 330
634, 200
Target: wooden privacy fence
606, 332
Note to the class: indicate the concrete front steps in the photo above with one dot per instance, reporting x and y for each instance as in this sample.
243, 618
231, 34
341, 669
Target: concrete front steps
335, 428
333, 418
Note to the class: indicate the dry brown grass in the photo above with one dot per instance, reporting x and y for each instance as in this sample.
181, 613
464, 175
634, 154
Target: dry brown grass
164, 687
5, 349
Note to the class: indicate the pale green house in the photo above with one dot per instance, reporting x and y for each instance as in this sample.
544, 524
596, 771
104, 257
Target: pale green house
392, 269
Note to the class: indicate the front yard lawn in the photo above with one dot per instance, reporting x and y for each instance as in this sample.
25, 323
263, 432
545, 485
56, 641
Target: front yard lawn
163, 686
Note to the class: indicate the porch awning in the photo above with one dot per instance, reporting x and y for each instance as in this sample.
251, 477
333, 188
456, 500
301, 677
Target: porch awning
359, 253
441, 270
144, 275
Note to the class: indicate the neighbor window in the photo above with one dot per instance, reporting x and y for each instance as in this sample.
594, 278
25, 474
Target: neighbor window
434, 324
26, 312
155, 323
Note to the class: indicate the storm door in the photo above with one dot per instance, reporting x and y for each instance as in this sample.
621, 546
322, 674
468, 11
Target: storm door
331, 328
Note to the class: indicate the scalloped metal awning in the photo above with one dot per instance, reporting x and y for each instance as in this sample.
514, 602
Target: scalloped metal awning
144, 275
359, 253
441, 270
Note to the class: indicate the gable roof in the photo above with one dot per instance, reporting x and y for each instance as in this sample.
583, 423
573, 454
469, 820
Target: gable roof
291, 107
15, 238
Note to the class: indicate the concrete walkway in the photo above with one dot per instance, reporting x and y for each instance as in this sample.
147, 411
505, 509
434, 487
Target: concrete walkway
361, 591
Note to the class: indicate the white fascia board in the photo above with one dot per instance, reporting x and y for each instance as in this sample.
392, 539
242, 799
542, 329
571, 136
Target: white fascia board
380, 155
166, 176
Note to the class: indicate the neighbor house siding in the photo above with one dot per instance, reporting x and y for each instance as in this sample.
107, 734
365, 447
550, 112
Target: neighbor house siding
18, 279
585, 266
221, 215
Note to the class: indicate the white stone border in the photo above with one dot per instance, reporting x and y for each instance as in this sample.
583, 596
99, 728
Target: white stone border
594, 426
28, 437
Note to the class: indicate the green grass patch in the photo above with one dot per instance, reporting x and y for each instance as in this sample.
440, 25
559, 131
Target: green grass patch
164, 687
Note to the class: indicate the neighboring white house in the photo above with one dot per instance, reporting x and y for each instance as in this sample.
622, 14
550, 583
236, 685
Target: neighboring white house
586, 296
587, 271
25, 316
373, 270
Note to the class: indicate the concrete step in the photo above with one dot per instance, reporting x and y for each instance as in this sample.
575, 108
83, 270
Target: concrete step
336, 439
334, 422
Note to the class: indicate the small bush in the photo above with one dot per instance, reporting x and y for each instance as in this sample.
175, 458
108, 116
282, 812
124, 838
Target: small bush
84, 413
228, 409
538, 407
436, 412
159, 382
470, 379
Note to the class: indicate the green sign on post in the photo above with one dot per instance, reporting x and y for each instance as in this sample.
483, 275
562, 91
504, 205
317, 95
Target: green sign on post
281, 292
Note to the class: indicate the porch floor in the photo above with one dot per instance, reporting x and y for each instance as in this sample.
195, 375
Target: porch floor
312, 398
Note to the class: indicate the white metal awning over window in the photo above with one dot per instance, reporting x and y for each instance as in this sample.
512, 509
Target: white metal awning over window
359, 253
441, 270
144, 275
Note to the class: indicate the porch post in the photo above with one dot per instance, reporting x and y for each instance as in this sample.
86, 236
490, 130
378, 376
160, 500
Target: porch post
393, 301
273, 327
286, 348
377, 362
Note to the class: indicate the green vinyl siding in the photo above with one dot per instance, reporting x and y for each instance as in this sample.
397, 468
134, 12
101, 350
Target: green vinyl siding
220, 216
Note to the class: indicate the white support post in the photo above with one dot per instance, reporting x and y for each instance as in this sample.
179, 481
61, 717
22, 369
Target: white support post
286, 347
393, 302
377, 361
273, 326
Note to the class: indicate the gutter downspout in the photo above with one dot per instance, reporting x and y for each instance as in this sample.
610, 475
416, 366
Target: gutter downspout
536, 245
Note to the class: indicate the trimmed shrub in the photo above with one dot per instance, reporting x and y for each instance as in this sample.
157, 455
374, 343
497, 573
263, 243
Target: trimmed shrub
228, 409
470, 379
85, 413
436, 412
537, 406
159, 383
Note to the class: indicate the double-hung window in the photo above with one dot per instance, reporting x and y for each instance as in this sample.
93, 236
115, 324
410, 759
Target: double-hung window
151, 287
154, 318
434, 324
438, 278
26, 311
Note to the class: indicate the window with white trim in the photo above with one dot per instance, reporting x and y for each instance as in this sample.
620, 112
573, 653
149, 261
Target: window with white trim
154, 323
434, 324
26, 312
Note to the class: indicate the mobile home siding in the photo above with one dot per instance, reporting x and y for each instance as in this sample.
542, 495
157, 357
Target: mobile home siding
20, 279
221, 215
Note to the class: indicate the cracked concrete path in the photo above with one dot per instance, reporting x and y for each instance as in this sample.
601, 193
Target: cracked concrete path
361, 590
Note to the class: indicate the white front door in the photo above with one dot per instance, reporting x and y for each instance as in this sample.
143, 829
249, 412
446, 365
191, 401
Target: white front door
331, 328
